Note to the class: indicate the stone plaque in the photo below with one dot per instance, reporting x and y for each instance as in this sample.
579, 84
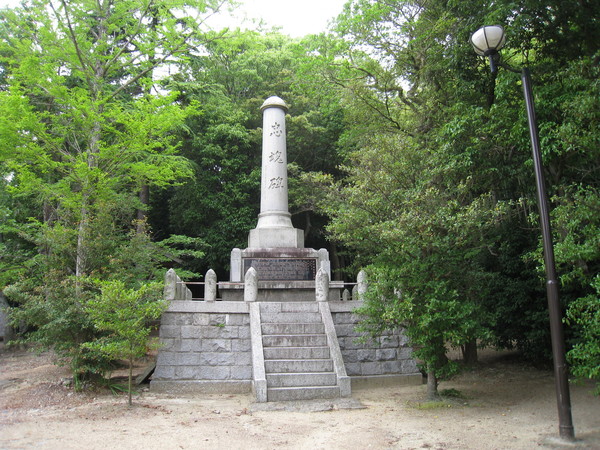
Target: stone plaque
283, 269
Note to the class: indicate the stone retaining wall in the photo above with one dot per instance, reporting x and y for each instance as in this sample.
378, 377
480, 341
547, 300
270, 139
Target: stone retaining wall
206, 346
390, 354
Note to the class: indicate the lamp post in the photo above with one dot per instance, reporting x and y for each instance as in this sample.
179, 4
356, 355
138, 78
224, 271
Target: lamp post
487, 41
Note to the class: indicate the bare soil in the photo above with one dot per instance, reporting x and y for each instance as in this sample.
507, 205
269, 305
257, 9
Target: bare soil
503, 404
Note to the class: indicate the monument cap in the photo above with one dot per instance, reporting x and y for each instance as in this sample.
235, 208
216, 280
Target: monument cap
274, 101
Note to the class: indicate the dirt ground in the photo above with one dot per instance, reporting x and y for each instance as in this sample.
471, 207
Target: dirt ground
504, 404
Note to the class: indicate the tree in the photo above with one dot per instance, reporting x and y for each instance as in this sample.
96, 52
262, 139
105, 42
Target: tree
406, 68
585, 354
577, 217
86, 128
412, 205
125, 314
423, 237
83, 131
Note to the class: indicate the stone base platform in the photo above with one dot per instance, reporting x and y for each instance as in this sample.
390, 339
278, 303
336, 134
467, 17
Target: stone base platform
207, 348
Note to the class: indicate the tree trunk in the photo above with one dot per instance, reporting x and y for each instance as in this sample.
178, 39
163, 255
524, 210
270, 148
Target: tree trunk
9, 332
48, 213
81, 241
144, 195
469, 352
130, 377
335, 263
88, 187
141, 213
432, 384
307, 224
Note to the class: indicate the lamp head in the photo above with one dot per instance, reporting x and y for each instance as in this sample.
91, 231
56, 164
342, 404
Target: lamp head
488, 40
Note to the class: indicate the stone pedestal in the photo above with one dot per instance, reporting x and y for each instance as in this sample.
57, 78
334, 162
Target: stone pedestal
284, 274
279, 264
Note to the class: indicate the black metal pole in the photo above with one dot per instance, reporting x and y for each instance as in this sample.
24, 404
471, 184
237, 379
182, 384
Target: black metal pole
563, 398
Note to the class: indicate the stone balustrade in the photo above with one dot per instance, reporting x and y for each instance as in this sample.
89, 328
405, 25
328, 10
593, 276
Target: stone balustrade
176, 289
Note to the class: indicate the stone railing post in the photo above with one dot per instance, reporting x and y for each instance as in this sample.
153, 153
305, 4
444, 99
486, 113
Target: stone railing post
361, 285
345, 295
210, 286
175, 289
322, 285
236, 265
170, 284
250, 285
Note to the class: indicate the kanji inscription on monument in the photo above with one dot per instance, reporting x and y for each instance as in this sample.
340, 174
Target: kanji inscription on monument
283, 269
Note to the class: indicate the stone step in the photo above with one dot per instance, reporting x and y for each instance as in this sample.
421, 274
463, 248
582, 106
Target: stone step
298, 365
301, 379
289, 307
296, 352
293, 328
282, 394
290, 317
295, 340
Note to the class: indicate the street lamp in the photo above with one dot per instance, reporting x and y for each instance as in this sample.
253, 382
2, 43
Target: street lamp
487, 41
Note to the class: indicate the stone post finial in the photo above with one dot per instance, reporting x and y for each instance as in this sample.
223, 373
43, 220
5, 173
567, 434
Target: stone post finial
361, 286
210, 286
322, 285
250, 285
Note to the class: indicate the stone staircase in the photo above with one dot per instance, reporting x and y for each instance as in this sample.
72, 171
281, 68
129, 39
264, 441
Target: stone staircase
298, 361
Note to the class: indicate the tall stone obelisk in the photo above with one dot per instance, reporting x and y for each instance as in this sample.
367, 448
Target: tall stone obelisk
285, 269
274, 228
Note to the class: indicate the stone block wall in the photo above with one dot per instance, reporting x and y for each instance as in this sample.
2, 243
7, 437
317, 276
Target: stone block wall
206, 347
205, 343
390, 354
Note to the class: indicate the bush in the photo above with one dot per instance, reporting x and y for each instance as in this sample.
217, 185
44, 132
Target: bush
584, 315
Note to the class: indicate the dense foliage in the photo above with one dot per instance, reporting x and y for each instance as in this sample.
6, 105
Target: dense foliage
439, 197
130, 142
83, 134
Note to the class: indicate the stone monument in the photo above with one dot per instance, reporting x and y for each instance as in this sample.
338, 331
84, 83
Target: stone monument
279, 328
285, 270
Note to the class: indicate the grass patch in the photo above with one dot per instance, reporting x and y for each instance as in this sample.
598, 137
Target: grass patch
451, 393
